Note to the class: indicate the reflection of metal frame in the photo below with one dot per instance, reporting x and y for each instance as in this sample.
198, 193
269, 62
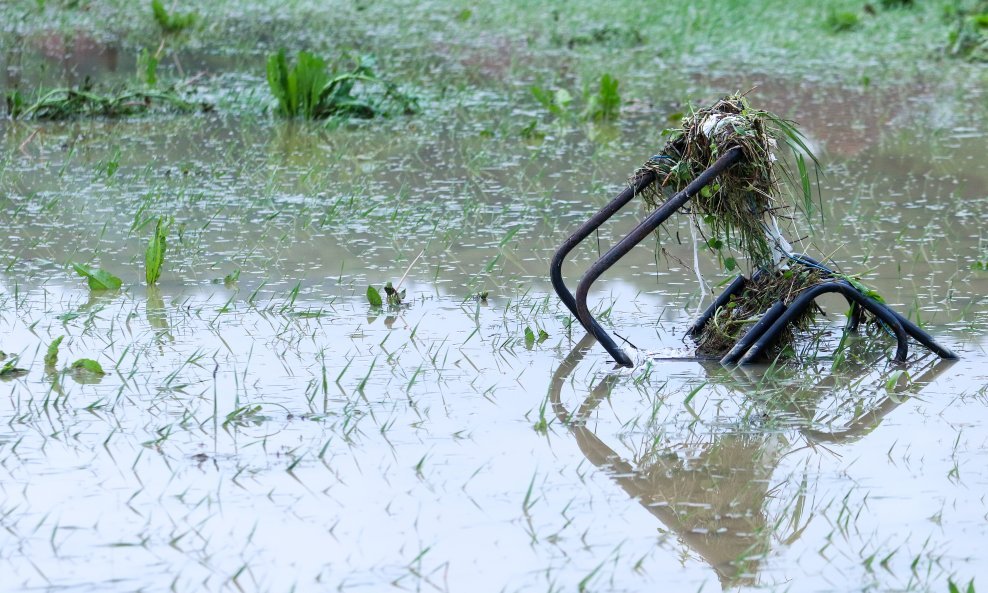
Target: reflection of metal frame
734, 547
761, 335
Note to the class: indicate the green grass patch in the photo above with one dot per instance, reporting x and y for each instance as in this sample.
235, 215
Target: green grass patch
313, 89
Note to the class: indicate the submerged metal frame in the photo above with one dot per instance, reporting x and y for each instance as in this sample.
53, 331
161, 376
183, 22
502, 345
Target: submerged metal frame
767, 329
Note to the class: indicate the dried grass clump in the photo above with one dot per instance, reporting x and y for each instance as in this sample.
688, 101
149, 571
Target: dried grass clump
732, 321
736, 208
739, 211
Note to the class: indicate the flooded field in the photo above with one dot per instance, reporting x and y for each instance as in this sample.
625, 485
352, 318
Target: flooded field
261, 427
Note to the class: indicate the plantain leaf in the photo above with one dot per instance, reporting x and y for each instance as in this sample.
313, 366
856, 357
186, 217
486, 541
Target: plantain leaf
88, 365
374, 297
97, 279
154, 256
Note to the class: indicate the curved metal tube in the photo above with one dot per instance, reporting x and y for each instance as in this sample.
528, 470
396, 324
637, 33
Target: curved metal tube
754, 333
736, 286
636, 236
556, 266
806, 298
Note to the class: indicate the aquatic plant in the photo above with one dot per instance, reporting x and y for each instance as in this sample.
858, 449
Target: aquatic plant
603, 103
969, 36
87, 365
147, 67
10, 370
311, 89
171, 22
839, 21
67, 103
96, 278
51, 354
154, 255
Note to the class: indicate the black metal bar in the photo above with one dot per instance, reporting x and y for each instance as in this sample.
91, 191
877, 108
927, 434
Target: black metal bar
806, 298
556, 266
753, 333
733, 288
922, 337
855, 315
636, 236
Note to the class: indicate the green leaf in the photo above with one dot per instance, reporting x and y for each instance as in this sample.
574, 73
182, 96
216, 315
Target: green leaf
529, 338
97, 279
51, 357
154, 256
894, 377
10, 369
693, 393
230, 279
543, 335
374, 297
88, 365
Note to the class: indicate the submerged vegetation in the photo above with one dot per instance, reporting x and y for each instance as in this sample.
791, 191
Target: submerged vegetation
312, 89
68, 103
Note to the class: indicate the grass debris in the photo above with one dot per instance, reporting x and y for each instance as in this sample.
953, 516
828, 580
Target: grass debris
732, 321
740, 208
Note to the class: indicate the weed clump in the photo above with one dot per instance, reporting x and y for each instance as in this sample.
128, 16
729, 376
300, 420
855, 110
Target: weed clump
311, 89
171, 22
732, 321
969, 36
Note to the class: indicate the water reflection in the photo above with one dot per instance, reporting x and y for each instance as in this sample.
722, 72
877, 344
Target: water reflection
713, 490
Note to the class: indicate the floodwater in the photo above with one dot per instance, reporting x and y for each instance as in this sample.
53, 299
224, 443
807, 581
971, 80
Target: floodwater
274, 432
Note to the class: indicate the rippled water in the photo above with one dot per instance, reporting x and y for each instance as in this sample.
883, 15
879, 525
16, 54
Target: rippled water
275, 432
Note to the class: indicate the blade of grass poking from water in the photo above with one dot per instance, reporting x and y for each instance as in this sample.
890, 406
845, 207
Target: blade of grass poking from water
51, 356
693, 393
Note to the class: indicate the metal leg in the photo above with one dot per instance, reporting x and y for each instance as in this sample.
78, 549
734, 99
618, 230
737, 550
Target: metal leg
754, 333
805, 300
636, 236
556, 267
732, 289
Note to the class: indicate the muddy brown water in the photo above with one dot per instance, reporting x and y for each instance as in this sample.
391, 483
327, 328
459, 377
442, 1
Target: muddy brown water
255, 437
